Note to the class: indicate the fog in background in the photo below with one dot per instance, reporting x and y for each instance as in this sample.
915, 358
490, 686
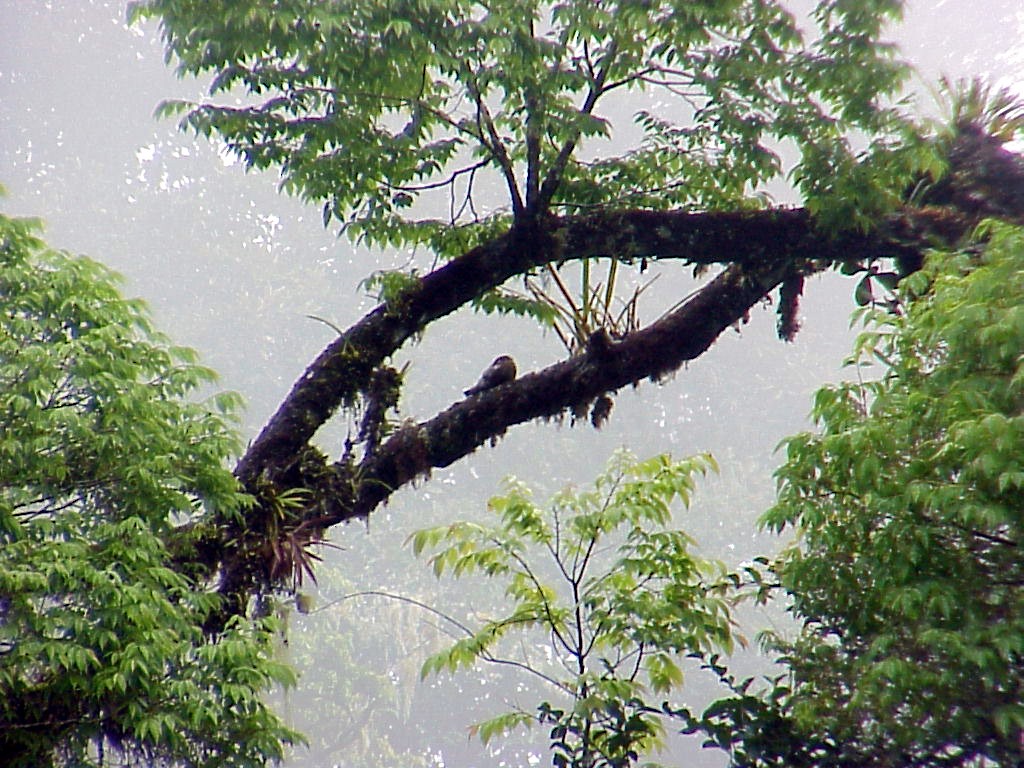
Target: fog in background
234, 269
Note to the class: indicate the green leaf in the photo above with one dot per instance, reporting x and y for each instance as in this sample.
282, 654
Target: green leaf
501, 725
888, 280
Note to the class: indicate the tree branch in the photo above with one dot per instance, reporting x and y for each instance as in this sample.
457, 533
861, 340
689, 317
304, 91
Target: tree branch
573, 384
554, 175
343, 369
762, 249
494, 143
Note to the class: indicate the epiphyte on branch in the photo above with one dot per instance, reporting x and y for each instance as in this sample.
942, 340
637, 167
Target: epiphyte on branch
502, 370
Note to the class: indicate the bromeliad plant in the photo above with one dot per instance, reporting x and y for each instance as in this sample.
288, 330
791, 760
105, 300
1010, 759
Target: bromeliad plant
610, 594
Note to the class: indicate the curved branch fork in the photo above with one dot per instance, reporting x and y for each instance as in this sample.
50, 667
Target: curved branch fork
760, 247
761, 250
573, 385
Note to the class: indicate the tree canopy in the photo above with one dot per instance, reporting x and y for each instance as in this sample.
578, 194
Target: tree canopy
366, 107
905, 576
103, 453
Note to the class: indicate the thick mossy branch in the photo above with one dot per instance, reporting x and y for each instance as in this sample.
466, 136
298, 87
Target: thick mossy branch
763, 250
751, 239
654, 352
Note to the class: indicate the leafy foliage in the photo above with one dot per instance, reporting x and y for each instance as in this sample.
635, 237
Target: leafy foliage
907, 575
371, 108
103, 457
618, 595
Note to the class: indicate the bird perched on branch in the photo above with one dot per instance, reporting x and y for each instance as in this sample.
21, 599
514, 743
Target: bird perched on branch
502, 370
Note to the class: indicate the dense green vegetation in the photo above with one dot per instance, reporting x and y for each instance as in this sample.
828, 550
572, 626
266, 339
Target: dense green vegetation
906, 577
103, 453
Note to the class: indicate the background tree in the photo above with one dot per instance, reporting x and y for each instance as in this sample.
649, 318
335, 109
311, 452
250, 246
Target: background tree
103, 454
614, 594
906, 576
